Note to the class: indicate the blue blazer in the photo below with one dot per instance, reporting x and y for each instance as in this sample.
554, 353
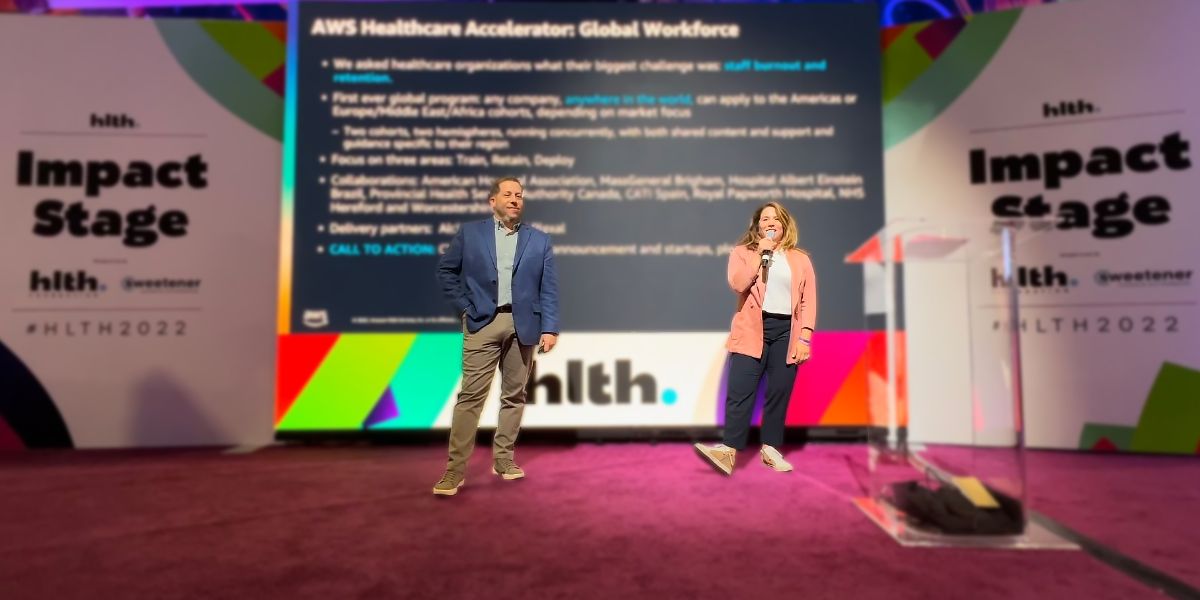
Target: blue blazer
467, 272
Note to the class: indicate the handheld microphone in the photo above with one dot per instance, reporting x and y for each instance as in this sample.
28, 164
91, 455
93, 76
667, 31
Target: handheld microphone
766, 254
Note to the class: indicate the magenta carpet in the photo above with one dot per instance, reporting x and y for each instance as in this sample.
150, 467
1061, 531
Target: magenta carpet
591, 521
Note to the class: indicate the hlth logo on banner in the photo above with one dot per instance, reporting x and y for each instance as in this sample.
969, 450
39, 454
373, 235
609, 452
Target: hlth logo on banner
1041, 278
61, 281
597, 383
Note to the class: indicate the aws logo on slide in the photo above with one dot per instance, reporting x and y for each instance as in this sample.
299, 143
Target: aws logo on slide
315, 318
597, 384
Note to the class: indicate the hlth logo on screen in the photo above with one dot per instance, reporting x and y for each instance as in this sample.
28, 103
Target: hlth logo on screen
600, 385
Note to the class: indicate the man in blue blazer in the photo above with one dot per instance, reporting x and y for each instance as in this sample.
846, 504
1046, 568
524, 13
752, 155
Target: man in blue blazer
499, 275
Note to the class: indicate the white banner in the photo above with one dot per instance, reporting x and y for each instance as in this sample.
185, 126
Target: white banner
139, 219
1012, 122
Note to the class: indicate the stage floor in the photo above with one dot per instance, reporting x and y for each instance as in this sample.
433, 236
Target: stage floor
591, 521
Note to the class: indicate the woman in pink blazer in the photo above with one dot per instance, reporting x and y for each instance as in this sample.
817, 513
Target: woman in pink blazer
771, 333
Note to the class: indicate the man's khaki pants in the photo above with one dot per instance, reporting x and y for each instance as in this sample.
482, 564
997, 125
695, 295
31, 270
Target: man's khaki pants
495, 344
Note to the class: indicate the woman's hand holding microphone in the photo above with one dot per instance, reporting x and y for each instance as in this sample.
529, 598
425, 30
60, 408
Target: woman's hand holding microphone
766, 245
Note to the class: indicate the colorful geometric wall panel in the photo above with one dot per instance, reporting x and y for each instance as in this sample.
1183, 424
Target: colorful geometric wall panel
243, 73
927, 66
842, 385
9, 440
28, 416
423, 382
1106, 438
1169, 423
349, 383
837, 356
366, 381
385, 410
303, 355
1170, 420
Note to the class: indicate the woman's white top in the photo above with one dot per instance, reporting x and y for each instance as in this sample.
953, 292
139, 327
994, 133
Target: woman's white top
779, 285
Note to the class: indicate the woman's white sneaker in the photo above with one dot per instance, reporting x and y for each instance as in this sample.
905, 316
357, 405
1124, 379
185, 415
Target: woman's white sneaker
773, 459
721, 457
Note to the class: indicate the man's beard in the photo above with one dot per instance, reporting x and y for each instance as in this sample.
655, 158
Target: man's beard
502, 216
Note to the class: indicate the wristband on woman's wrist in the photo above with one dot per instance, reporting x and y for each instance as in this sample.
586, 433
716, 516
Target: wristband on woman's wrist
805, 342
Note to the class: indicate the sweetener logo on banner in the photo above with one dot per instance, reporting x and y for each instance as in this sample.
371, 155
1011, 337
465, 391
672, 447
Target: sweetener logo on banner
1144, 277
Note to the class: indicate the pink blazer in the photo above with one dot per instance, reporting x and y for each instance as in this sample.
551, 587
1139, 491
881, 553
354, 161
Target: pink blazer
746, 332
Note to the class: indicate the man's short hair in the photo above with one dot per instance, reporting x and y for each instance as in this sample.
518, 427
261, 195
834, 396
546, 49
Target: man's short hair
496, 185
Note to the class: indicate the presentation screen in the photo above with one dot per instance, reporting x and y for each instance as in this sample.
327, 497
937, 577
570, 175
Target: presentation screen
645, 137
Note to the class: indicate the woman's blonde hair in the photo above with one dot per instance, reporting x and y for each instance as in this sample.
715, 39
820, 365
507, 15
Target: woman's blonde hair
790, 234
